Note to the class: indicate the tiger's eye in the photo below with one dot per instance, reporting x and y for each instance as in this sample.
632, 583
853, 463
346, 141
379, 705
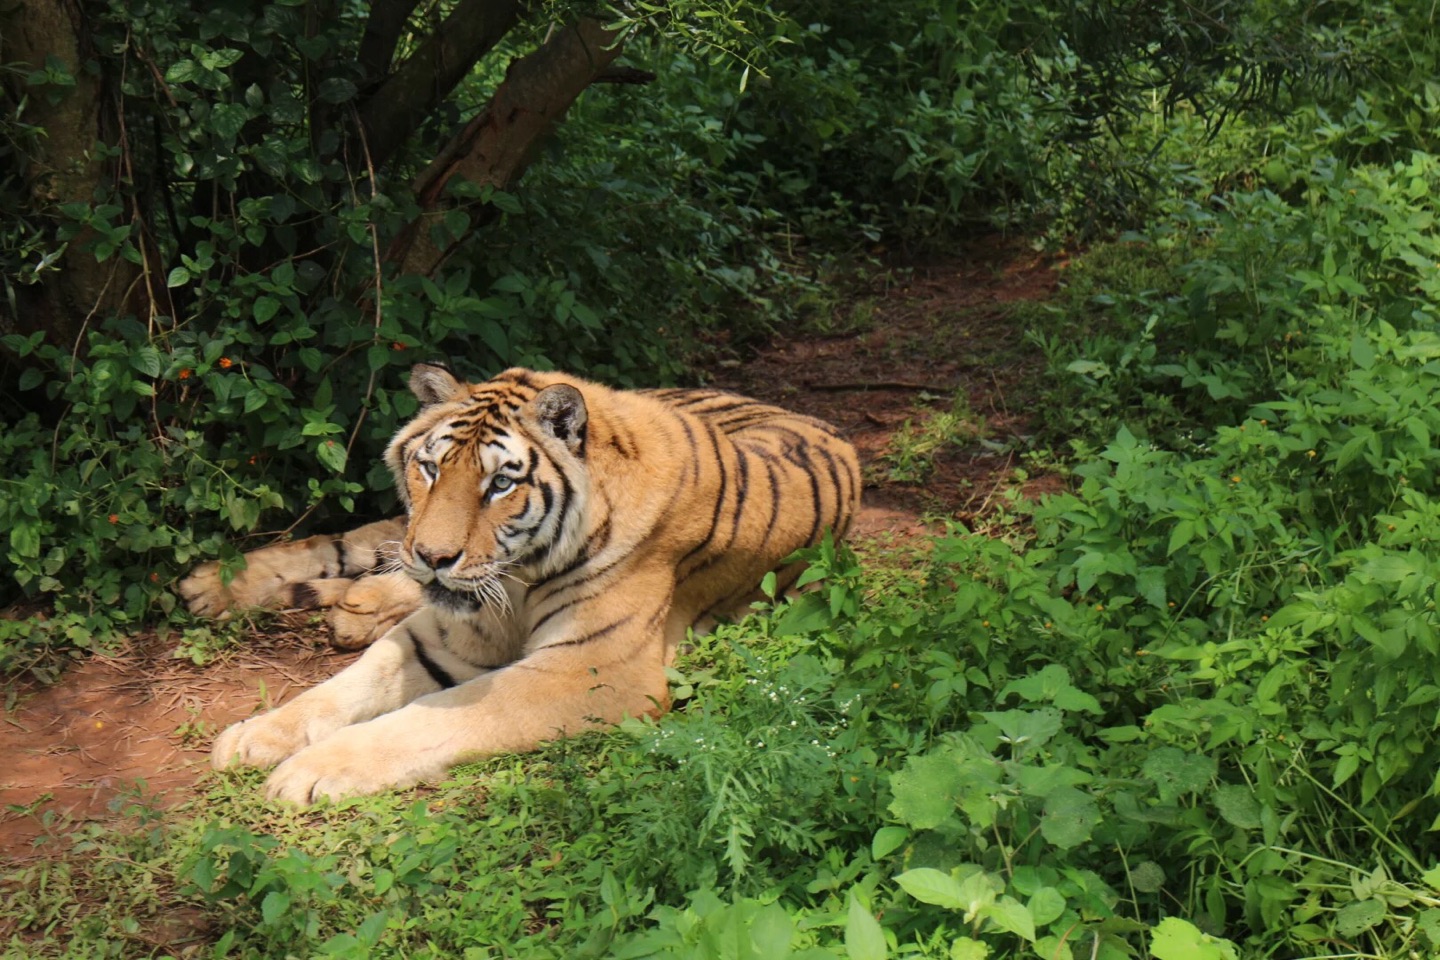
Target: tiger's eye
501, 483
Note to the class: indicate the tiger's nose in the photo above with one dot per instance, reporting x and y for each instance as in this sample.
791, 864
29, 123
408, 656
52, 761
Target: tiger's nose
434, 559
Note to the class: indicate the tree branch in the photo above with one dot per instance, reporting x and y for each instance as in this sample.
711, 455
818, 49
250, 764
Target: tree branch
428, 75
382, 34
496, 146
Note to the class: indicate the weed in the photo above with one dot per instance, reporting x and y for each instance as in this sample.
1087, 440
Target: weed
913, 449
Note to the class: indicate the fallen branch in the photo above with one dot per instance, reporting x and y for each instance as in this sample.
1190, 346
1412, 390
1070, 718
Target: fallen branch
877, 385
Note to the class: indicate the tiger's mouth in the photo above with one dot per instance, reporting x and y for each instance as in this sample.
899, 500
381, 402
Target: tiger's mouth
452, 601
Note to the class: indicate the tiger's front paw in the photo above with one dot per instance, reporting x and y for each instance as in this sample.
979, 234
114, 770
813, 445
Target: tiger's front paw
350, 763
268, 739
372, 605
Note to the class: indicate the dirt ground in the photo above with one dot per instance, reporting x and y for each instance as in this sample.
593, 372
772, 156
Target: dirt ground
902, 349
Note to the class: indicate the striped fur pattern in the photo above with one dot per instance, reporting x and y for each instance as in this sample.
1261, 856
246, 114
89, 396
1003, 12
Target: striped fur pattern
562, 538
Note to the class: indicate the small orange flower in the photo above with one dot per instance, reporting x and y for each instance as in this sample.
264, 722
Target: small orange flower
397, 345
1099, 607
114, 518
226, 363
185, 374
1235, 479
154, 578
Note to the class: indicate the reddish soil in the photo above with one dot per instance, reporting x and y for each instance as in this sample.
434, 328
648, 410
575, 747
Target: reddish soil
928, 331
138, 721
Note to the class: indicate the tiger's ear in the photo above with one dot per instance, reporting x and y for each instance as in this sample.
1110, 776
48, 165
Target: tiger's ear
432, 383
560, 411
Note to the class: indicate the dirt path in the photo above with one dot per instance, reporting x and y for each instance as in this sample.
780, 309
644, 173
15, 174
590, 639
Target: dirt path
903, 351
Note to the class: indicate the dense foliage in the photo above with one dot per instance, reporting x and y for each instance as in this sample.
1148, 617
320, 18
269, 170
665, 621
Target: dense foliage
1185, 709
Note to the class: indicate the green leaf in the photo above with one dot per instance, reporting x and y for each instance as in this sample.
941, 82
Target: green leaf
1429, 923
807, 613
1345, 768
332, 454
1355, 918
864, 938
1011, 915
1362, 351
1176, 939
772, 931
887, 841
1183, 533
964, 948
1026, 728
227, 119
1046, 905
1238, 806
274, 906
932, 886
372, 928
337, 90
178, 277
925, 790
1147, 877
494, 336
1070, 816
1150, 584
265, 309
1177, 773
146, 360
505, 202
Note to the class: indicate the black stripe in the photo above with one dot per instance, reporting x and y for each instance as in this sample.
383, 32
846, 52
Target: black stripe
304, 596
624, 442
437, 673
719, 499
741, 421
592, 548
834, 479
594, 635
734, 403
692, 397
519, 377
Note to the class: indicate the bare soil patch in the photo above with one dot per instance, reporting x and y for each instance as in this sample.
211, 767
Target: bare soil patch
139, 716
917, 337
929, 330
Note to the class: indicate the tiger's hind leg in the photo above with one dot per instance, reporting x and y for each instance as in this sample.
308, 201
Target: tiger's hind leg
311, 573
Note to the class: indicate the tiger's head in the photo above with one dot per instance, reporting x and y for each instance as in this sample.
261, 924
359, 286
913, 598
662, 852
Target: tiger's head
493, 479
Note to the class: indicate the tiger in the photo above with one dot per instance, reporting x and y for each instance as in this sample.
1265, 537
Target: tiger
561, 540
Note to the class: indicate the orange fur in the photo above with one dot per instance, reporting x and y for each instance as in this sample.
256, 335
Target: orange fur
565, 537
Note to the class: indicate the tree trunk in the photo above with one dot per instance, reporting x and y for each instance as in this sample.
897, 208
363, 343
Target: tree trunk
496, 146
64, 168
427, 76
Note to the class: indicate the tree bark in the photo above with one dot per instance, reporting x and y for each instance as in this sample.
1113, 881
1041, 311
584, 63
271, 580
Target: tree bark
496, 146
427, 76
64, 168
382, 33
